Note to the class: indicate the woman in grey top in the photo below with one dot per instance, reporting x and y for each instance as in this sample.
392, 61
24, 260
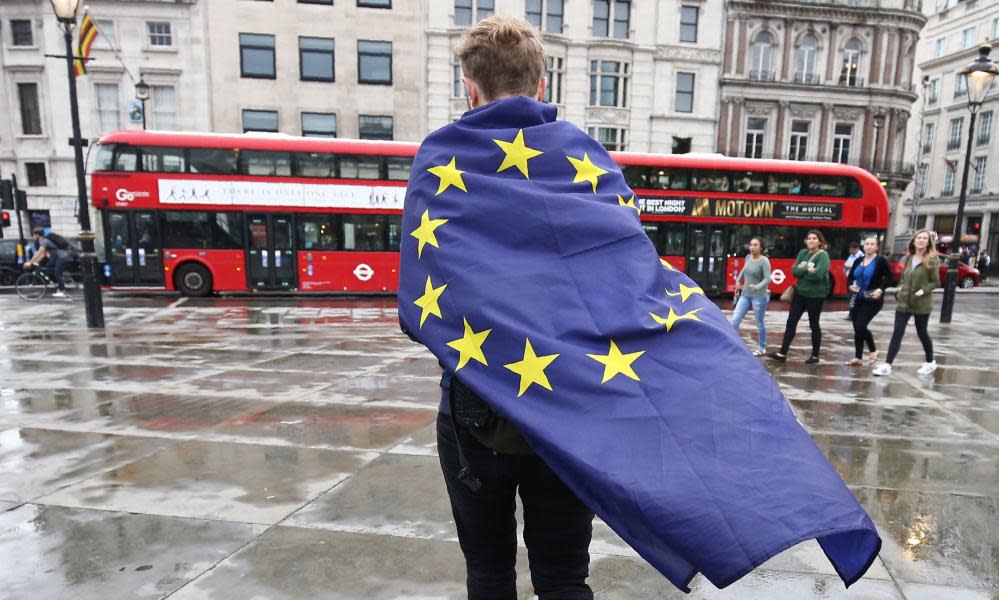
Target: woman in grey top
754, 283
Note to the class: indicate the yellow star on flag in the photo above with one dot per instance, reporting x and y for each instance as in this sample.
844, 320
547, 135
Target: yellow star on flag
469, 346
532, 369
630, 202
425, 232
670, 320
666, 264
449, 175
615, 363
428, 301
517, 154
686, 292
586, 170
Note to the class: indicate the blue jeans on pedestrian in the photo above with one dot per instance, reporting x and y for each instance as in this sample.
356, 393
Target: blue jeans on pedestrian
759, 306
60, 265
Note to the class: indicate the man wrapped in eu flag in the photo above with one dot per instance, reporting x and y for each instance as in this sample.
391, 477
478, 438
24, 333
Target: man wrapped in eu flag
583, 371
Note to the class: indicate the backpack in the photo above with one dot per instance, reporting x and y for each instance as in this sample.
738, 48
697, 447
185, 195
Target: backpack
61, 242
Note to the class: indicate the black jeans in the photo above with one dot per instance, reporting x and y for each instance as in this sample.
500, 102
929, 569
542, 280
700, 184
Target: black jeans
800, 305
901, 322
557, 525
60, 267
864, 312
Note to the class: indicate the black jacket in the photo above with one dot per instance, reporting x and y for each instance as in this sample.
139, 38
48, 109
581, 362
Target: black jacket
881, 279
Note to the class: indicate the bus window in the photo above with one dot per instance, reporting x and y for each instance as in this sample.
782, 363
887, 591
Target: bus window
317, 232
264, 163
398, 168
852, 188
227, 233
363, 233
668, 238
710, 181
126, 159
212, 161
186, 229
750, 182
784, 241
658, 179
394, 232
636, 177
679, 179
105, 158
163, 160
360, 167
314, 164
785, 183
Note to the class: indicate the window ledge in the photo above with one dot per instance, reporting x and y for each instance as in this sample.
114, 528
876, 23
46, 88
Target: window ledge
161, 49
31, 136
16, 48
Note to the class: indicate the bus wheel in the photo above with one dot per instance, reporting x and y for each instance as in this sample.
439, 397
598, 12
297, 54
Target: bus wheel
193, 279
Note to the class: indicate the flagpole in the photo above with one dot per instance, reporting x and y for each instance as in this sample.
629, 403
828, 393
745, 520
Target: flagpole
117, 55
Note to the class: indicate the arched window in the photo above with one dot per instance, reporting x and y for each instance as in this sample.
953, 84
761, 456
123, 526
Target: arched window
850, 73
805, 67
760, 69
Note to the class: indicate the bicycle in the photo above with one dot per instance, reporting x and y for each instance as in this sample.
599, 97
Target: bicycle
8, 275
34, 284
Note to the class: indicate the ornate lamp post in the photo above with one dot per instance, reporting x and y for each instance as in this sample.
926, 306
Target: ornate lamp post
979, 74
142, 94
66, 11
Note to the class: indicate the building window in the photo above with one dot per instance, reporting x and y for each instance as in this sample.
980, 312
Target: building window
374, 127
762, 52
374, 3
374, 62
549, 20
954, 138
978, 181
315, 58
467, 12
850, 71
325, 2
921, 175
948, 186
960, 86
21, 32
933, 94
159, 34
31, 114
107, 106
799, 140
256, 55
680, 145
36, 174
556, 71
688, 23
968, 38
608, 83
107, 37
984, 129
995, 29
164, 107
260, 120
611, 138
928, 132
842, 140
755, 130
805, 60
611, 18
318, 125
458, 89
684, 92
941, 47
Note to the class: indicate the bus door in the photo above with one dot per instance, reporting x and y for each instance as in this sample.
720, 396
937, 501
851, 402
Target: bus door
133, 248
706, 257
271, 255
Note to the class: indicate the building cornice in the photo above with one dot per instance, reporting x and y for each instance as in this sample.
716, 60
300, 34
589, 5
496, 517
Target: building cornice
867, 94
834, 13
689, 54
962, 58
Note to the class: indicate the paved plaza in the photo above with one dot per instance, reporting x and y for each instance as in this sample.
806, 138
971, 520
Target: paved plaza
270, 448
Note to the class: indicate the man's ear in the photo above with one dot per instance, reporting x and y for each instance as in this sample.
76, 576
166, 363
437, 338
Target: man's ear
542, 88
472, 91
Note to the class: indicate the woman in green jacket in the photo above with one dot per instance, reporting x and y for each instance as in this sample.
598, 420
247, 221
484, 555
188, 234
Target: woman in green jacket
811, 267
920, 277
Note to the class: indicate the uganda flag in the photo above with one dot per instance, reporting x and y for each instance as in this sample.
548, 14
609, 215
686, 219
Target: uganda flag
526, 271
88, 33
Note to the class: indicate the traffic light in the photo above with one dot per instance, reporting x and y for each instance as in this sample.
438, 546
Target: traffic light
4, 219
6, 195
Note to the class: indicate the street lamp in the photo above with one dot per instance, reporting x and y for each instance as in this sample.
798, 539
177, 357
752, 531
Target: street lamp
979, 75
142, 94
66, 11
879, 122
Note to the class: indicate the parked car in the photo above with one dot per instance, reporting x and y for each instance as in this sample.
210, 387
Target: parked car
967, 277
9, 269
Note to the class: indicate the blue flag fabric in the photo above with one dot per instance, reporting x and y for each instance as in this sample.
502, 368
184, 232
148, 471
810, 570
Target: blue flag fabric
525, 270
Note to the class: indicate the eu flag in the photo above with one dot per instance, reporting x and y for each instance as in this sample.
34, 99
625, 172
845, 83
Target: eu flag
526, 271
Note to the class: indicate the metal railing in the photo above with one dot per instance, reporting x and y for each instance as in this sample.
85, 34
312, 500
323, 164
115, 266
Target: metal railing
761, 76
807, 78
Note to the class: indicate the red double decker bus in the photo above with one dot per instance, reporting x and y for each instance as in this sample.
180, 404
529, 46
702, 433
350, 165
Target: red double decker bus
203, 213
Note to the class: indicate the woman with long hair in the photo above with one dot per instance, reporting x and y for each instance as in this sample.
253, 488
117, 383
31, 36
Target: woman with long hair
920, 276
868, 279
811, 267
753, 286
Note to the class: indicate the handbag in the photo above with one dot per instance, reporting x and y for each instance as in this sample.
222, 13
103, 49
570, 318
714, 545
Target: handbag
789, 293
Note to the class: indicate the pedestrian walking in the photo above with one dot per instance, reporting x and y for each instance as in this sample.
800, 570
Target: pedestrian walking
984, 262
854, 254
920, 276
753, 288
868, 280
811, 268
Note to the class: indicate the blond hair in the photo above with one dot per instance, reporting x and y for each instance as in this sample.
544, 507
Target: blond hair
504, 56
931, 249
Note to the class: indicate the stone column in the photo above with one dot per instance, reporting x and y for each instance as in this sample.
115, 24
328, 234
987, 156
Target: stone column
833, 53
822, 152
741, 59
729, 46
867, 139
888, 152
900, 59
786, 67
722, 144
779, 133
891, 50
736, 128
875, 71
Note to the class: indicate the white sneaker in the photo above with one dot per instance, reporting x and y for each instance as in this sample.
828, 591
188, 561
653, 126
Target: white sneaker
927, 368
882, 369
63, 295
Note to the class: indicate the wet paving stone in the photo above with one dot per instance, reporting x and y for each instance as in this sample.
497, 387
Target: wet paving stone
4, 505
233, 482
259, 384
40, 461
329, 425
34, 406
888, 421
124, 376
50, 552
327, 364
164, 413
422, 443
389, 389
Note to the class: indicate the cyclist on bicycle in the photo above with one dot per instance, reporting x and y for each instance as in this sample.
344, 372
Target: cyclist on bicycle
59, 257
